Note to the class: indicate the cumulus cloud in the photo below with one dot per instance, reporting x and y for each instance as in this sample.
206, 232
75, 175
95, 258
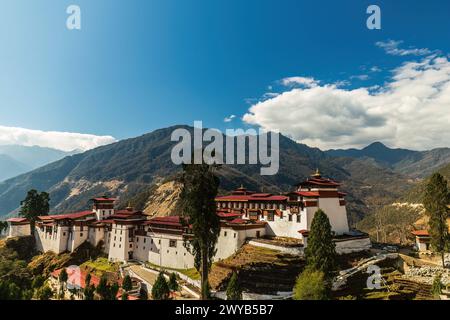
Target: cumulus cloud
66, 141
411, 110
392, 47
229, 119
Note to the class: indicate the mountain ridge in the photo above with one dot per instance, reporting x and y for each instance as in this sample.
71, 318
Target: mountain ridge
415, 164
131, 167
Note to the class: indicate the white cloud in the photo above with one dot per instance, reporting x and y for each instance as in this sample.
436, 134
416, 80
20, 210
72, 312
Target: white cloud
362, 77
229, 119
302, 81
375, 69
392, 47
411, 110
66, 141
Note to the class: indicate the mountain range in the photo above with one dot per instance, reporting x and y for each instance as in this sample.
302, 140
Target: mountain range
416, 164
140, 169
16, 159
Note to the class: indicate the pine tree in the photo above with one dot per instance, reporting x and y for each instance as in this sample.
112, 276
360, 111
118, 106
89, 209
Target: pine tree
173, 283
35, 204
103, 288
320, 252
234, 291
127, 285
200, 187
435, 201
160, 290
143, 295
113, 291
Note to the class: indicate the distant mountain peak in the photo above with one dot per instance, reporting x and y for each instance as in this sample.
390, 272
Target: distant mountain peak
376, 145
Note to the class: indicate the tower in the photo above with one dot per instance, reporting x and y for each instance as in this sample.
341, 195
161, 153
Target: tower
103, 207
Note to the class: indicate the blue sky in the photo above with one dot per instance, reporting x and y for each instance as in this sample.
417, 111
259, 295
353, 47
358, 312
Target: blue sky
140, 65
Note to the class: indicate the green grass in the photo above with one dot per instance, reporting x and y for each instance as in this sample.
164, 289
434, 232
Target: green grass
101, 265
191, 273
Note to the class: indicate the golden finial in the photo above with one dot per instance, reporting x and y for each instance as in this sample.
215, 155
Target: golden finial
317, 173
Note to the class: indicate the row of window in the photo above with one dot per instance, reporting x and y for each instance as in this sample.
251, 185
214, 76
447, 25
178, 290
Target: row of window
251, 205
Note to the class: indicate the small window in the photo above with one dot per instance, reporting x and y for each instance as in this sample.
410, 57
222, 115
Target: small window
114, 245
173, 243
115, 238
137, 239
144, 248
290, 217
270, 216
120, 246
235, 234
64, 234
131, 245
145, 240
298, 218
159, 241
225, 234
81, 234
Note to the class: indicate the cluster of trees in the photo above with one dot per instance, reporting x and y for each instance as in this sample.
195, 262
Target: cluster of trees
162, 288
315, 282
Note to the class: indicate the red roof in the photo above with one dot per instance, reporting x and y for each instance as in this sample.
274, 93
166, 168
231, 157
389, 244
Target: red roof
303, 232
228, 215
423, 233
319, 181
238, 221
168, 221
252, 197
307, 193
77, 276
77, 215
17, 220
103, 199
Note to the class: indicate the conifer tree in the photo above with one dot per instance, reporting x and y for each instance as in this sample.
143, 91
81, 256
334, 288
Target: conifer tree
173, 283
435, 201
234, 291
200, 186
320, 251
160, 290
103, 288
127, 284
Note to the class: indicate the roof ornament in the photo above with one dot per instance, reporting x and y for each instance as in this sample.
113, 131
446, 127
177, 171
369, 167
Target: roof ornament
129, 207
317, 174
